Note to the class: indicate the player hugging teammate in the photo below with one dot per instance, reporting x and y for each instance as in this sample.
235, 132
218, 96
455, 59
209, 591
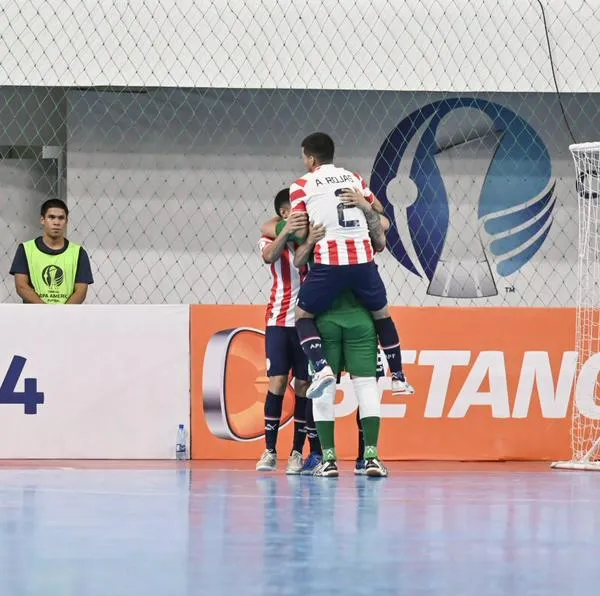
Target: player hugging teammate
344, 291
283, 351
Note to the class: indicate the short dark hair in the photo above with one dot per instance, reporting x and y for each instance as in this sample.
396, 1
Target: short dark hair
320, 146
54, 204
281, 198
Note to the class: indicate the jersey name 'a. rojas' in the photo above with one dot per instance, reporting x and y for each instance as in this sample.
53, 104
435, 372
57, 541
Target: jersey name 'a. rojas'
335, 180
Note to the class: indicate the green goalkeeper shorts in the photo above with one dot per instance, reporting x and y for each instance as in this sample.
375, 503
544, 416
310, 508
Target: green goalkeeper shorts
350, 342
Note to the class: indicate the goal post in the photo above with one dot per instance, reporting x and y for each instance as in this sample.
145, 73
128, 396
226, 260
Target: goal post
585, 427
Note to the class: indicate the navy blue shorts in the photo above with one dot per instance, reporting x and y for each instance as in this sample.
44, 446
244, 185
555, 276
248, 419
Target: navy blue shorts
284, 353
326, 282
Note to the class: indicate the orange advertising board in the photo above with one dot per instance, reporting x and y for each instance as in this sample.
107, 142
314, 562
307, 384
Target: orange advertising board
491, 384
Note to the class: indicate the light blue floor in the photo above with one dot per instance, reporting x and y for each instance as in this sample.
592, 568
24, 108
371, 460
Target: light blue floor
69, 532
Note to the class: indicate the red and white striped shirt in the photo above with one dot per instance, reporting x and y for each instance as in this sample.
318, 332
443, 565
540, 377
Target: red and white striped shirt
284, 291
347, 240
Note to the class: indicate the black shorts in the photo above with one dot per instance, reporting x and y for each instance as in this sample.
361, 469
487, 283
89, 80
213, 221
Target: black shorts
284, 353
325, 283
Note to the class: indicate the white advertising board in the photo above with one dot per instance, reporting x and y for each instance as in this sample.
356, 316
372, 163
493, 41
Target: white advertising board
93, 382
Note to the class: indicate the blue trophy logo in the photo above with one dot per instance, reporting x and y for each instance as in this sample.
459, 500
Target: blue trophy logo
461, 179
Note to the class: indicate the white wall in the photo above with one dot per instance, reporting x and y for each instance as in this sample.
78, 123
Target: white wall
115, 381
458, 45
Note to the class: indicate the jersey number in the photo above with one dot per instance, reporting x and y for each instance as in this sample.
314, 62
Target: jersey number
30, 397
341, 208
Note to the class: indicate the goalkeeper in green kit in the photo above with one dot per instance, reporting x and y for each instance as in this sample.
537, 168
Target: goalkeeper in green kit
350, 344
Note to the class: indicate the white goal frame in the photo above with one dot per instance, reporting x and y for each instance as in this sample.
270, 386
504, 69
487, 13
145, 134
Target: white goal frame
587, 462
590, 460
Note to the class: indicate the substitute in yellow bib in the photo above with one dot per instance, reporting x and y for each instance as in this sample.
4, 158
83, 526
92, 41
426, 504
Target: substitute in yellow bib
50, 269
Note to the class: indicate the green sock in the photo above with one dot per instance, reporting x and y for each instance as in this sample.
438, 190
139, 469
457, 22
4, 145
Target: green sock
371, 452
370, 426
326, 432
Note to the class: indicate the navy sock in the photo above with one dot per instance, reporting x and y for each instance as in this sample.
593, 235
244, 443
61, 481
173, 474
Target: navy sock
361, 442
390, 344
310, 340
311, 429
299, 423
273, 408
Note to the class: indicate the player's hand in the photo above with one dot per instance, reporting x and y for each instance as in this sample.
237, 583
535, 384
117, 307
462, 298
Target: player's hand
354, 198
297, 221
316, 232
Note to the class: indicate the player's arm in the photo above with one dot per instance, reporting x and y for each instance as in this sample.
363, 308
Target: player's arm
378, 231
376, 204
285, 228
356, 198
303, 252
269, 228
298, 203
385, 222
368, 195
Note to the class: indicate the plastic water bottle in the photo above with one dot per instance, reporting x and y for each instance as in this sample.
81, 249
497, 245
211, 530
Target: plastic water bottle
181, 443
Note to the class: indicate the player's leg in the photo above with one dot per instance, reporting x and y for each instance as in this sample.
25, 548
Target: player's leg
317, 293
295, 460
390, 344
278, 367
324, 411
303, 411
324, 408
301, 384
316, 456
359, 465
369, 288
360, 355
369, 403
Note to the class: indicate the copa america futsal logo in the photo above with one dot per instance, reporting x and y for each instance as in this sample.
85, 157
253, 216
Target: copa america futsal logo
464, 181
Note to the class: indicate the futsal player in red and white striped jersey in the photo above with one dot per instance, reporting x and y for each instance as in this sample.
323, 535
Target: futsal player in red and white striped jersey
286, 283
343, 259
345, 242
282, 346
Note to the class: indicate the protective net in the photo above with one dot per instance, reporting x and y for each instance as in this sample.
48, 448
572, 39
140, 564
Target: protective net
168, 127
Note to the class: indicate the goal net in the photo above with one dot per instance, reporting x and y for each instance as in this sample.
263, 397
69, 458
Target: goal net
585, 428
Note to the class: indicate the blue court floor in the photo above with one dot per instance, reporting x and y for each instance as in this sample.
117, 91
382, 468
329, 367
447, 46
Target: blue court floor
167, 530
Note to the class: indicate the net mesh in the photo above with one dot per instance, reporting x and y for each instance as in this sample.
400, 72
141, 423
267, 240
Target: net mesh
169, 127
585, 432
